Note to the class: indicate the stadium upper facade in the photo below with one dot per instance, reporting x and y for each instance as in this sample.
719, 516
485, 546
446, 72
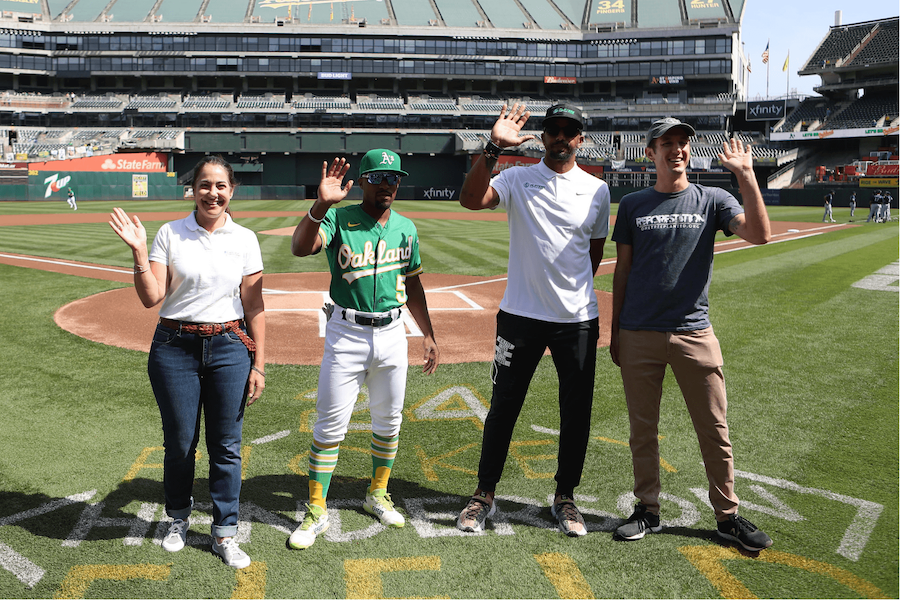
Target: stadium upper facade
665, 50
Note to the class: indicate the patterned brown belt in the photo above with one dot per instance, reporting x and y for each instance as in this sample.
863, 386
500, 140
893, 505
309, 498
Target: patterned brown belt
211, 329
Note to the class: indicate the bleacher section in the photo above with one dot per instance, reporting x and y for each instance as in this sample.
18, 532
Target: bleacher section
151, 103
872, 110
260, 102
97, 103
837, 46
379, 103
810, 110
883, 48
311, 102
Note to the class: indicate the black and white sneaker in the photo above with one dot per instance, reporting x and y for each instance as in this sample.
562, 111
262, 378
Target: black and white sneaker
740, 530
475, 513
568, 517
639, 524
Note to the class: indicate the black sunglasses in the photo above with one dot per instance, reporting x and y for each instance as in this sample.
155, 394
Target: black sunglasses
570, 130
377, 178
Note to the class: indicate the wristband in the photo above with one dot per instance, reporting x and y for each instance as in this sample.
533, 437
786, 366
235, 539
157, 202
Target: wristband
315, 220
263, 373
492, 150
138, 269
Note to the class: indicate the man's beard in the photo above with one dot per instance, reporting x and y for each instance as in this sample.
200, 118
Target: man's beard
560, 155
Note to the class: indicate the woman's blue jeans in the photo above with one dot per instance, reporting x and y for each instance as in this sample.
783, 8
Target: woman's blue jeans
191, 374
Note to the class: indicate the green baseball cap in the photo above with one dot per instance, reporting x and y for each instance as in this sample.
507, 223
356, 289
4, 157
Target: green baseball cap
380, 160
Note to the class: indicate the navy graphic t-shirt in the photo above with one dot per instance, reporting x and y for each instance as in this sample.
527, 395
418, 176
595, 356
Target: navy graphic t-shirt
672, 238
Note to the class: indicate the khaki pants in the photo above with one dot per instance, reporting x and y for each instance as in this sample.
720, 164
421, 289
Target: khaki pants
696, 360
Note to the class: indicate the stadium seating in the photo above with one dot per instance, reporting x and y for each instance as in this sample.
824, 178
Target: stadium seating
869, 111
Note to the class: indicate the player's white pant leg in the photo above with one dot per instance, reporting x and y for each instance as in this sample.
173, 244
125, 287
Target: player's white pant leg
347, 355
387, 378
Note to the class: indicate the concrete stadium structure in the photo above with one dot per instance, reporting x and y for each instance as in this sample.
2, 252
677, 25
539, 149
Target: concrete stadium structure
279, 85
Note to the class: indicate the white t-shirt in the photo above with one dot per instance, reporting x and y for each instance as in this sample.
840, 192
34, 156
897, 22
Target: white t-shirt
552, 219
206, 269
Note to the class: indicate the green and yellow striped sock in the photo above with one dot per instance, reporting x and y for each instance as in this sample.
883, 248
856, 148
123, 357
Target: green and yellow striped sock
384, 450
322, 461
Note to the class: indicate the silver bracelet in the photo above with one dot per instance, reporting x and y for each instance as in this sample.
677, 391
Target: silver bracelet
138, 269
315, 220
263, 373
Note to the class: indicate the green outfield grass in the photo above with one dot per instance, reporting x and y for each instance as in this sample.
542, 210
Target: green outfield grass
812, 369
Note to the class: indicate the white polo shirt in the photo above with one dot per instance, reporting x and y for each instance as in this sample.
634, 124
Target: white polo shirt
206, 269
552, 219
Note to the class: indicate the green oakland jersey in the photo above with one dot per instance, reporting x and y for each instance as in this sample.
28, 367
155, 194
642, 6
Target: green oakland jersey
369, 262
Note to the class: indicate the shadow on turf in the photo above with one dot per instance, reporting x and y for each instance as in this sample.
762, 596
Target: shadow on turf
283, 495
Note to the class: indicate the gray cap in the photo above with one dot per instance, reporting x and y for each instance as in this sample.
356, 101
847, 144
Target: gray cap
661, 126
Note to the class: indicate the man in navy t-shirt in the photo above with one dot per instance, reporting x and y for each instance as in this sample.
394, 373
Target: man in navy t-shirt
664, 243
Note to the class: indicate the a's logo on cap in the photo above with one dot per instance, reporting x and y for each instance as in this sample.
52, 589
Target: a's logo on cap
386, 159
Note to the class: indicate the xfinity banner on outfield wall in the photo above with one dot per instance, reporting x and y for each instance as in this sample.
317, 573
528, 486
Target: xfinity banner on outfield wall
822, 134
437, 193
130, 162
766, 110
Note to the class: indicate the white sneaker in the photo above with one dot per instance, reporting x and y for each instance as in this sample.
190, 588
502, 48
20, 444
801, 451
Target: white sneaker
314, 523
231, 553
379, 503
174, 540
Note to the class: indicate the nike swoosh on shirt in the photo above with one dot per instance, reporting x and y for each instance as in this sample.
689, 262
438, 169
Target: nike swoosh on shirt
352, 224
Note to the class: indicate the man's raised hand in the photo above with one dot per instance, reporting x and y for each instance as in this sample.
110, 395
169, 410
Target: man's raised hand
330, 189
505, 132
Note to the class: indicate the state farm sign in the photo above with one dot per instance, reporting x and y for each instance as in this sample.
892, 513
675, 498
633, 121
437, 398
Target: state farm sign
131, 162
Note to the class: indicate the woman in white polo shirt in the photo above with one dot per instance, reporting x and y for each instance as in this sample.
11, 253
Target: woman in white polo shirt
205, 272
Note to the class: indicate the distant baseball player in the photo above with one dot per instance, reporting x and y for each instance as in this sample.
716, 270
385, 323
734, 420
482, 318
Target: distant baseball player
558, 222
874, 207
373, 255
829, 198
70, 198
852, 203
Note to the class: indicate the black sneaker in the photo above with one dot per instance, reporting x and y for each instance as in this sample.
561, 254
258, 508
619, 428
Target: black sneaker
475, 513
568, 517
740, 530
639, 523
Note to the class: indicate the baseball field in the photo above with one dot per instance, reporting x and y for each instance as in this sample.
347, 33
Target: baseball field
809, 330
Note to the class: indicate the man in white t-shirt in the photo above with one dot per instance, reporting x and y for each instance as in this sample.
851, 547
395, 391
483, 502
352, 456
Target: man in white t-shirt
558, 222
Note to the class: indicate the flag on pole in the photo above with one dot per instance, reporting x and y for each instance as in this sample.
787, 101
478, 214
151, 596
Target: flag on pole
749, 70
787, 61
765, 54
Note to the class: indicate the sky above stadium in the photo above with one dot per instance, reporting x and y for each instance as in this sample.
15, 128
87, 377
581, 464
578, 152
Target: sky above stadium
795, 27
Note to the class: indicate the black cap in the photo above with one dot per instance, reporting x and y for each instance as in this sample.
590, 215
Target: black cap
661, 126
564, 111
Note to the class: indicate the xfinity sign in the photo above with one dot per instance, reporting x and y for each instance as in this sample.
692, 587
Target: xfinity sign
433, 193
766, 110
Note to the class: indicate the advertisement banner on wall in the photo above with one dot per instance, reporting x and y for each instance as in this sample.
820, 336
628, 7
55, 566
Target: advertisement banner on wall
878, 182
130, 162
821, 134
139, 186
766, 110
883, 170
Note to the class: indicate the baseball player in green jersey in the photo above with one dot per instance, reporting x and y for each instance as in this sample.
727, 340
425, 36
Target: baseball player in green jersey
373, 255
